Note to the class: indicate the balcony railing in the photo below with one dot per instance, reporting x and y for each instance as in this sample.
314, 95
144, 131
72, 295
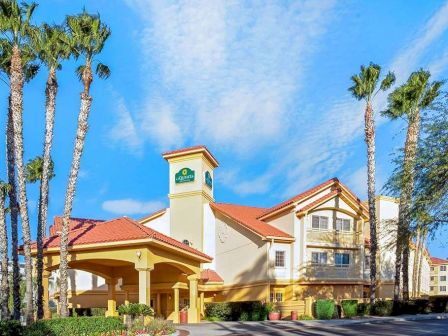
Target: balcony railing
334, 237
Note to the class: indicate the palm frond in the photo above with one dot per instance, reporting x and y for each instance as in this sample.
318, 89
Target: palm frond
102, 70
388, 81
79, 70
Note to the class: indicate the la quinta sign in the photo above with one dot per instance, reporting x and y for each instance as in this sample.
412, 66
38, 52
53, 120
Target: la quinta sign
184, 175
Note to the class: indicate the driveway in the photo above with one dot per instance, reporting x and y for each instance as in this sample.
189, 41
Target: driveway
383, 328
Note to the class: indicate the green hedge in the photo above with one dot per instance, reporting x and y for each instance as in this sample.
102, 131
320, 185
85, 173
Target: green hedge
382, 308
439, 304
325, 309
8, 328
75, 326
363, 309
350, 308
236, 311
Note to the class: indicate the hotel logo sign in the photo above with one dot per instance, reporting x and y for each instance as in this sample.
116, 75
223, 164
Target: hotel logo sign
184, 175
208, 179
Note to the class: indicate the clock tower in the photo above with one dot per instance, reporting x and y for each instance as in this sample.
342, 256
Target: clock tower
191, 183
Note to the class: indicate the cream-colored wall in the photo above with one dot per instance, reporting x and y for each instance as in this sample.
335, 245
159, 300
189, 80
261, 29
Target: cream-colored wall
241, 256
209, 241
161, 223
80, 281
285, 222
280, 272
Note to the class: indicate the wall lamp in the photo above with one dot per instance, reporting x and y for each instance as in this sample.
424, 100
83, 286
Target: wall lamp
139, 254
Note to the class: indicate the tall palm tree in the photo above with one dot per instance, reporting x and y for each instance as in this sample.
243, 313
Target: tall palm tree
408, 101
51, 46
4, 286
16, 27
365, 87
88, 36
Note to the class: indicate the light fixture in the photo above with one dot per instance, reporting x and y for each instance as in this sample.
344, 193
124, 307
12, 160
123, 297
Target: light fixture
139, 254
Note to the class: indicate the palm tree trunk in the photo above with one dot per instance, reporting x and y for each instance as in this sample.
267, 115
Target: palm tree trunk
81, 133
420, 262
416, 261
16, 82
50, 107
14, 214
369, 128
4, 286
406, 194
398, 262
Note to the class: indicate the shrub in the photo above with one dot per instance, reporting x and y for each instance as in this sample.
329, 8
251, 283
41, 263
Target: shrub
8, 328
325, 309
98, 311
74, 326
363, 309
236, 311
439, 305
417, 306
305, 318
350, 308
382, 308
135, 309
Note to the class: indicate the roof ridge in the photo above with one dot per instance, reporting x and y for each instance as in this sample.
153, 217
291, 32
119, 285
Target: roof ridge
141, 227
82, 218
241, 205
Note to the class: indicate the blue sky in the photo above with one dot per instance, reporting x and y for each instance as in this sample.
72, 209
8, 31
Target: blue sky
262, 84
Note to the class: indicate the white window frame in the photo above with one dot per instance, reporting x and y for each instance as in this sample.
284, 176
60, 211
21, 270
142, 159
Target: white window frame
278, 297
320, 219
319, 258
442, 268
442, 288
342, 222
443, 278
342, 254
284, 258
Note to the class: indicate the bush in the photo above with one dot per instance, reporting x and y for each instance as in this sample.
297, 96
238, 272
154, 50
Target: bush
417, 306
135, 309
439, 304
236, 311
350, 308
382, 308
8, 328
74, 326
158, 327
325, 309
98, 311
305, 318
363, 309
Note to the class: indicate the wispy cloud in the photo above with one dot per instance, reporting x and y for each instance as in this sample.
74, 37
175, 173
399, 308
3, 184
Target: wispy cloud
229, 69
130, 206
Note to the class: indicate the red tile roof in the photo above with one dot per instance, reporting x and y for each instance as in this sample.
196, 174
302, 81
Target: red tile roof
116, 230
75, 223
247, 217
155, 213
438, 261
298, 197
209, 275
192, 150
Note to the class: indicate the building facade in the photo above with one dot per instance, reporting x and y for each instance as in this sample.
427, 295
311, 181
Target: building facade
439, 277
313, 245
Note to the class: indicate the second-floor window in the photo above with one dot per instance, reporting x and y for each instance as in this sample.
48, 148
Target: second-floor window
279, 258
319, 223
443, 288
442, 268
432, 268
443, 278
431, 288
319, 258
432, 278
343, 224
341, 259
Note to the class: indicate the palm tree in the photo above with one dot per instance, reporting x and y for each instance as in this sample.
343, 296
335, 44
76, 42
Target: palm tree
88, 36
365, 88
17, 29
4, 286
52, 49
408, 101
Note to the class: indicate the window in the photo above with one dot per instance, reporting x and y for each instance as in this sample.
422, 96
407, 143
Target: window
367, 262
278, 296
443, 288
432, 278
279, 258
432, 268
443, 278
319, 258
271, 297
343, 224
431, 288
443, 268
320, 223
341, 259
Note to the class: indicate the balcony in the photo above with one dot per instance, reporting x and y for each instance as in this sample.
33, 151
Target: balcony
334, 238
332, 272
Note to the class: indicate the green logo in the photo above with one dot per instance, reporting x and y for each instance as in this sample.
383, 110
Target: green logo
184, 175
208, 179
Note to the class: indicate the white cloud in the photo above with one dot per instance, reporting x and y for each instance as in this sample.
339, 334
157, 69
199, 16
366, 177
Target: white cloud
130, 206
125, 132
229, 69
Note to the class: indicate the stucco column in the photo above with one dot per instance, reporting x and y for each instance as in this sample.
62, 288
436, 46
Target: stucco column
111, 298
202, 304
193, 312
144, 285
46, 296
176, 305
